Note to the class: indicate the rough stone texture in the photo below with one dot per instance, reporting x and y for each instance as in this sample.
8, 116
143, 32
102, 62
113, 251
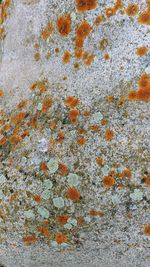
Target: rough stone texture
114, 239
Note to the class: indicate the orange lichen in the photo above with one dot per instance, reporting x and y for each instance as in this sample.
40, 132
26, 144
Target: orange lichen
6, 127
83, 30
47, 103
106, 56
144, 82
71, 102
60, 238
85, 55
96, 213
81, 141
37, 199
25, 133
73, 194
147, 180
89, 60
53, 125
36, 46
98, 20
61, 137
132, 10
86, 113
147, 229
109, 135
64, 25
95, 128
100, 161
76, 65
85, 5
3, 141
43, 230
73, 115
63, 169
118, 5
110, 12
108, 181
30, 239
141, 51
1, 93
44, 167
81, 131
15, 139
62, 219
37, 56
144, 17
46, 32
78, 53
22, 104
15, 119
110, 98
132, 95
125, 173
66, 57
104, 122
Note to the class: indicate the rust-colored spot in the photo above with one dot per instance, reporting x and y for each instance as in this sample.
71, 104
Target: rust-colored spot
109, 135
144, 18
147, 229
83, 30
108, 181
81, 131
132, 9
98, 20
30, 239
1, 93
71, 102
81, 141
147, 180
15, 139
73, 115
96, 213
85, 5
95, 128
110, 98
117, 5
60, 238
73, 194
44, 231
104, 122
64, 25
3, 141
37, 56
44, 167
15, 119
47, 31
110, 12
47, 103
86, 113
22, 104
89, 59
100, 161
66, 57
106, 56
63, 169
141, 51
37, 199
62, 219
61, 137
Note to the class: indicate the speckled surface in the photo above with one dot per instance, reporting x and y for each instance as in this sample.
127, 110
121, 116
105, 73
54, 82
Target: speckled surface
102, 157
